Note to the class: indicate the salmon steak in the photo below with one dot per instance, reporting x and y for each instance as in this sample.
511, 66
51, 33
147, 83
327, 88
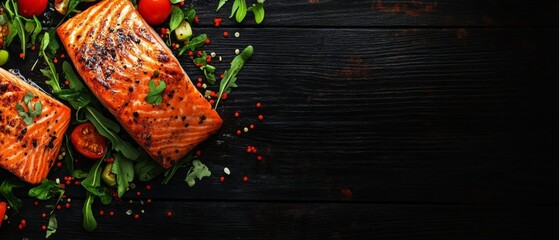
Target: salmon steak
119, 56
32, 127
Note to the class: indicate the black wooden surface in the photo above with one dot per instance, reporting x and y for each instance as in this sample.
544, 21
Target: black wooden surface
383, 120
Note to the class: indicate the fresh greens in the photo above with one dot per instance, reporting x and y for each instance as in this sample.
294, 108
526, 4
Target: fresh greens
6, 191
170, 173
110, 130
46, 190
89, 222
209, 70
32, 111
20, 26
146, 169
228, 82
69, 158
154, 95
194, 43
240, 9
92, 183
123, 168
79, 174
53, 225
198, 170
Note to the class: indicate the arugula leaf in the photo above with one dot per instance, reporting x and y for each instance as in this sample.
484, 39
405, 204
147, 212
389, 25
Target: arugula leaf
221, 3
89, 222
234, 8
194, 43
71, 76
147, 169
198, 170
241, 11
228, 82
93, 180
170, 173
53, 225
124, 171
45, 190
190, 13
110, 129
36, 30
79, 174
154, 95
69, 158
6, 191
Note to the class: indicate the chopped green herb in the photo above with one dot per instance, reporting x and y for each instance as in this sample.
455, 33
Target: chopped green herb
32, 111
154, 95
198, 170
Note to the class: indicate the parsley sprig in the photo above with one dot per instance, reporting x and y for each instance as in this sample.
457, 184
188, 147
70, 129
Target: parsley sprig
33, 110
154, 96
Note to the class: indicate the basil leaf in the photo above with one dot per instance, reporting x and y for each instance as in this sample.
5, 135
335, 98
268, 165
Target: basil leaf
221, 3
45, 190
194, 43
235, 7
176, 18
124, 171
6, 191
190, 14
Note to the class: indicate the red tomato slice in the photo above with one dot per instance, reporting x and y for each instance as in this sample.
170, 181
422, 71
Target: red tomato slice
30, 8
2, 212
155, 12
87, 141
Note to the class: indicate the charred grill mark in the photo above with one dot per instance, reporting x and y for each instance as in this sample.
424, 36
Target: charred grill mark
162, 57
145, 34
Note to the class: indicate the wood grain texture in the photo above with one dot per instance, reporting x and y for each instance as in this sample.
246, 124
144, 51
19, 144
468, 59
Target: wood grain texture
264, 220
378, 125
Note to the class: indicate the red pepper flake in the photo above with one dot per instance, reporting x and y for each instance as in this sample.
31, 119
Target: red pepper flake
224, 96
148, 187
251, 126
59, 164
136, 216
226, 34
55, 60
208, 59
199, 85
236, 114
66, 82
111, 213
259, 158
200, 79
169, 213
196, 19
260, 117
253, 149
207, 41
245, 178
44, 215
44, 228
21, 55
212, 102
67, 205
190, 53
23, 222
58, 207
222, 76
249, 149
199, 53
101, 213
258, 105
217, 22
222, 179
238, 132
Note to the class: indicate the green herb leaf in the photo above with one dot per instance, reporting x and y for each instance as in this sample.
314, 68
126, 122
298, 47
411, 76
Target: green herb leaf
89, 222
258, 10
154, 95
176, 18
124, 171
53, 225
176, 1
69, 158
146, 169
242, 11
194, 43
221, 3
230, 78
110, 129
36, 30
170, 173
6, 191
190, 14
71, 76
45, 190
93, 180
198, 170
235, 7
32, 110
79, 174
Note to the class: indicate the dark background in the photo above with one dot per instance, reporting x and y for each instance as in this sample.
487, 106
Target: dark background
382, 120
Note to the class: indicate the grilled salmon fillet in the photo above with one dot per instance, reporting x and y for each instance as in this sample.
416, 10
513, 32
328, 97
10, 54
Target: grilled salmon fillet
117, 54
29, 151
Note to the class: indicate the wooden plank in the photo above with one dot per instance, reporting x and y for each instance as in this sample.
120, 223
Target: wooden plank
407, 115
269, 220
392, 13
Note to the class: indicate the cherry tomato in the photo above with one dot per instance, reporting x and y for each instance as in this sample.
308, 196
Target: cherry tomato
155, 12
2, 212
30, 8
87, 141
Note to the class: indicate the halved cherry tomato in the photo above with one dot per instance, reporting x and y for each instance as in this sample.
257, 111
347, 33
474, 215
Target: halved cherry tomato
88, 142
30, 8
2, 212
155, 12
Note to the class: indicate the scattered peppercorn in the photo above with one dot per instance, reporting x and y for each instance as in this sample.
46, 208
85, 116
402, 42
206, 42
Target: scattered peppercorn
259, 158
260, 117
225, 34
101, 213
136, 216
169, 213
245, 178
